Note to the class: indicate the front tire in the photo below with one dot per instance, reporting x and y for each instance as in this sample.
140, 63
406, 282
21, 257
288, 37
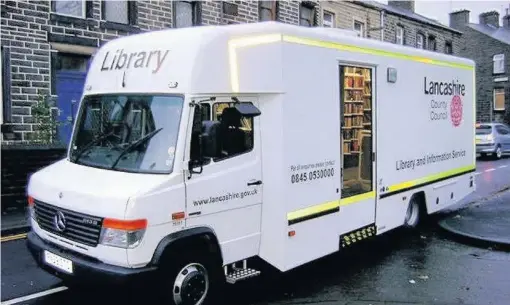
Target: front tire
191, 280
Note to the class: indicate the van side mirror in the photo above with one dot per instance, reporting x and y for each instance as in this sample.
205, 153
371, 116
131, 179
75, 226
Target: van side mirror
247, 110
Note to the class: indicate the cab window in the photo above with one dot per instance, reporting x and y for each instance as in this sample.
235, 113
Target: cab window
233, 133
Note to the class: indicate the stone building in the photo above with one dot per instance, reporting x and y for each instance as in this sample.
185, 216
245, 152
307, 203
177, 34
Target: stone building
396, 22
488, 44
47, 45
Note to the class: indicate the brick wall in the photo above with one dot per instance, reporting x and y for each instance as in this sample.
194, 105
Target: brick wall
347, 12
412, 28
484, 67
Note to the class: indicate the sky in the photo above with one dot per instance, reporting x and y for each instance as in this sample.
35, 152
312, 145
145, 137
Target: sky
439, 10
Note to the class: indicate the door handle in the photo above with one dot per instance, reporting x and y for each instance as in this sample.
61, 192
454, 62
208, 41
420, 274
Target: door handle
258, 182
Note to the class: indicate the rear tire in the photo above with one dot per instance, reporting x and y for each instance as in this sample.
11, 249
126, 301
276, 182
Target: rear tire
413, 213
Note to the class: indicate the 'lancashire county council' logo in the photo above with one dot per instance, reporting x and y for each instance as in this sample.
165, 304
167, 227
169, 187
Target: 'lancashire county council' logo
456, 110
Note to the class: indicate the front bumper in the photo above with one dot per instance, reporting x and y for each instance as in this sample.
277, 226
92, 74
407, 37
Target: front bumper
85, 269
485, 148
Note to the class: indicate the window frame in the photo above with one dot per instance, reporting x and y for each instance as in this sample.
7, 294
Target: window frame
308, 6
84, 10
196, 14
361, 33
211, 116
446, 45
130, 20
272, 7
399, 27
422, 36
432, 43
494, 93
328, 24
498, 58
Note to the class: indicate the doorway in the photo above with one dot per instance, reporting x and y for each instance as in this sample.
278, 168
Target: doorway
71, 72
357, 130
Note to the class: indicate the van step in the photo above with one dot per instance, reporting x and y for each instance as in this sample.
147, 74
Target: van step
241, 274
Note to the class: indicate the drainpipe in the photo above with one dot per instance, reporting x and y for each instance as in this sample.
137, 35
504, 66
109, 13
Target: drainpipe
382, 25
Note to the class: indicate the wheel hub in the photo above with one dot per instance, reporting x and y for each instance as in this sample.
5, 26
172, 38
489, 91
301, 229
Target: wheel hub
191, 285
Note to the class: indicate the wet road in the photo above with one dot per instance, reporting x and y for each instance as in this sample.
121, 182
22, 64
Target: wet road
397, 268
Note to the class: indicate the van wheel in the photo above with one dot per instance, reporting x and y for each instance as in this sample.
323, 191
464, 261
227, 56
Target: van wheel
498, 153
413, 213
191, 280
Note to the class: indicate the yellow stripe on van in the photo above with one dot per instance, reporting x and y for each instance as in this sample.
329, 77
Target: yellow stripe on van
431, 178
334, 206
313, 210
358, 49
326, 208
357, 198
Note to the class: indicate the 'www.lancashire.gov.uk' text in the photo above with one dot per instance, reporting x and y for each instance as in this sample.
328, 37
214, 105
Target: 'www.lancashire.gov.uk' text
226, 197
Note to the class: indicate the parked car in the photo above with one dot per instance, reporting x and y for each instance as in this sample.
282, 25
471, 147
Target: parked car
492, 139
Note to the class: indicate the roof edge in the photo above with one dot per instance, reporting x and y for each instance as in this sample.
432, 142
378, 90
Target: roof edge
437, 25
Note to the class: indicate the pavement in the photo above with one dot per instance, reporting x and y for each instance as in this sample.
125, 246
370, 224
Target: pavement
486, 223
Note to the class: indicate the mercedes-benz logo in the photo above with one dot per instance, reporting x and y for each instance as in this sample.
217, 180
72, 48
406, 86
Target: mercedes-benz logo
59, 221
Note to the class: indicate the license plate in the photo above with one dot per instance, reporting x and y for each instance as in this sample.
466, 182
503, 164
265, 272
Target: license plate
58, 262
478, 141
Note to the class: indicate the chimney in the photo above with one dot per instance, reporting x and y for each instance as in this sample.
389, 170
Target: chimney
405, 5
459, 19
490, 18
506, 20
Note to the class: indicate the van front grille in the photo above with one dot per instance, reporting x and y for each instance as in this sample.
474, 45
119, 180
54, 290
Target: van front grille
78, 227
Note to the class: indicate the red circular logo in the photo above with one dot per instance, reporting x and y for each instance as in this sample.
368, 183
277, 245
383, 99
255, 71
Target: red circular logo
456, 110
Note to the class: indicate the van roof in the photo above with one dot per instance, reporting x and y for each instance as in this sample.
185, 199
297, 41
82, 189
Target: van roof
196, 59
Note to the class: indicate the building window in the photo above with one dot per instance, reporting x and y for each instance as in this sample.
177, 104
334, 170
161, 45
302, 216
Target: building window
431, 43
328, 19
306, 15
116, 11
498, 63
70, 8
499, 99
420, 41
399, 35
267, 10
448, 49
359, 28
186, 13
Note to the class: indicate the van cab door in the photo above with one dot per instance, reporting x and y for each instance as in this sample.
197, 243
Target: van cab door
224, 191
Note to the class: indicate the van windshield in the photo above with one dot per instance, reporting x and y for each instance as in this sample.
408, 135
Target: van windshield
132, 133
483, 130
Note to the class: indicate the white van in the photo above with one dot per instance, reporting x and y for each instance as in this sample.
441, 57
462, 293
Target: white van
196, 150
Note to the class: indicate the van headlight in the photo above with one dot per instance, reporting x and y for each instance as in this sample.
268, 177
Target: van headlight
125, 234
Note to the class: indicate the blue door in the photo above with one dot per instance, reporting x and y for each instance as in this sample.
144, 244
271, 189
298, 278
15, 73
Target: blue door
69, 90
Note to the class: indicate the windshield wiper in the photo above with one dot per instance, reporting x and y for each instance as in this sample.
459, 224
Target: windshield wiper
91, 143
135, 144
